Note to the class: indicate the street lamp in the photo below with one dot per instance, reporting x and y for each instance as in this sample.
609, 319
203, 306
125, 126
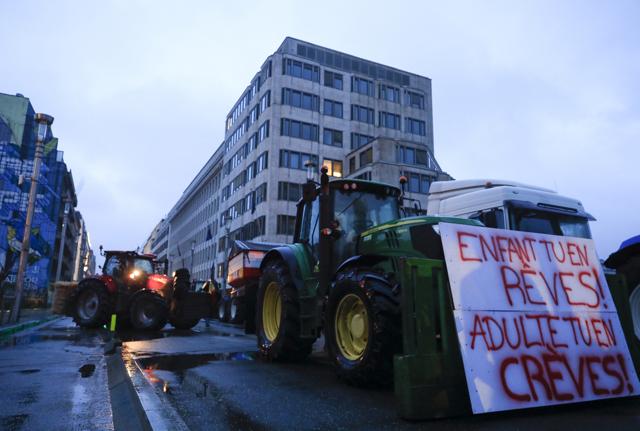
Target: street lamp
43, 121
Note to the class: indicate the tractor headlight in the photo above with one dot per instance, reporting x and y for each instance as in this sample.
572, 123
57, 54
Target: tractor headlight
134, 274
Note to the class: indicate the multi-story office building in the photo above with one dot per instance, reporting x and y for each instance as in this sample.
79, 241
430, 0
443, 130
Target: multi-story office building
306, 103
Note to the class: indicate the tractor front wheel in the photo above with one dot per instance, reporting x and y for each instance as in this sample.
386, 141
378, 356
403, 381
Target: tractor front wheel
148, 311
278, 316
93, 305
363, 328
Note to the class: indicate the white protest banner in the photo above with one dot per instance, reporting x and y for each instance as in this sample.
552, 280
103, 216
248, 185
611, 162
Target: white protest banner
535, 319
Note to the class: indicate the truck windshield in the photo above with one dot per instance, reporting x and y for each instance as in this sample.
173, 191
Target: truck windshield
537, 221
358, 211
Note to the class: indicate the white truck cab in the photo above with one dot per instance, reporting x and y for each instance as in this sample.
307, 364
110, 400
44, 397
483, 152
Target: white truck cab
510, 205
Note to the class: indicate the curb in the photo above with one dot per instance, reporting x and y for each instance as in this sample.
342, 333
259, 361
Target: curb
5, 332
126, 408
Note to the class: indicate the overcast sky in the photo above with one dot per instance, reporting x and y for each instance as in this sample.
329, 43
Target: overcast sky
546, 93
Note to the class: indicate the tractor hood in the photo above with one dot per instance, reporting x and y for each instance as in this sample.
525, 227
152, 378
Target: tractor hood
157, 281
408, 237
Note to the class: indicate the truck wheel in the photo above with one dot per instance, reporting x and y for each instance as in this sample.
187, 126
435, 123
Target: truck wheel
363, 329
223, 310
236, 311
148, 312
278, 316
93, 305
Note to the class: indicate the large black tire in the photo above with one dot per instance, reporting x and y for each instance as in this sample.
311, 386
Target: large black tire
181, 322
93, 305
363, 328
236, 310
148, 311
223, 310
278, 316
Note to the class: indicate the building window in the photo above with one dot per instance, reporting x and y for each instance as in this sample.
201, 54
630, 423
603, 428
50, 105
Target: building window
262, 162
263, 131
332, 108
418, 183
388, 93
416, 127
261, 193
352, 164
414, 100
332, 79
332, 137
298, 129
366, 157
364, 176
361, 86
265, 101
286, 224
413, 156
300, 99
362, 114
300, 69
289, 191
389, 120
253, 114
358, 140
295, 160
334, 167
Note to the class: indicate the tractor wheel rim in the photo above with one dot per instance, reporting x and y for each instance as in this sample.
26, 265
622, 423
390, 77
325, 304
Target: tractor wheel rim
146, 316
352, 327
88, 305
271, 311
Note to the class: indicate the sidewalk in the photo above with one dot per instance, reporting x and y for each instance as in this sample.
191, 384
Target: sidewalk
29, 317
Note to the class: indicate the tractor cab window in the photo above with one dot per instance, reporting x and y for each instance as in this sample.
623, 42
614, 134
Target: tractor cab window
357, 211
309, 228
114, 267
144, 265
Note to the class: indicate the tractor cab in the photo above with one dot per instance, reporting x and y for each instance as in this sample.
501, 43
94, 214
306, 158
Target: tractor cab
128, 268
331, 217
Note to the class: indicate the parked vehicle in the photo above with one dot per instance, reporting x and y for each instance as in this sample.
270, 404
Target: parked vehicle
626, 261
510, 205
129, 288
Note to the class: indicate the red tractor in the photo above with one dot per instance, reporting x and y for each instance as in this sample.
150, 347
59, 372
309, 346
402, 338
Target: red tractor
131, 288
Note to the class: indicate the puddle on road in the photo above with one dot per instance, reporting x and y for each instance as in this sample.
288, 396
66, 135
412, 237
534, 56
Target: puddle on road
20, 340
14, 422
167, 371
184, 362
87, 370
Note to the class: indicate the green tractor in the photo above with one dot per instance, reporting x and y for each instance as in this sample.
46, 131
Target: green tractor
343, 276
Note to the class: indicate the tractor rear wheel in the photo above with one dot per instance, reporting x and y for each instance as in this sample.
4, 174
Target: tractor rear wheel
363, 328
93, 305
278, 316
148, 311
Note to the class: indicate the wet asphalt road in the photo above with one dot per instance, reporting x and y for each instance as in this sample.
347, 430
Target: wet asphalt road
212, 379
54, 378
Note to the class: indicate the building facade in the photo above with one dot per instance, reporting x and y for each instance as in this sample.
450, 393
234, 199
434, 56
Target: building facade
306, 103
54, 216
